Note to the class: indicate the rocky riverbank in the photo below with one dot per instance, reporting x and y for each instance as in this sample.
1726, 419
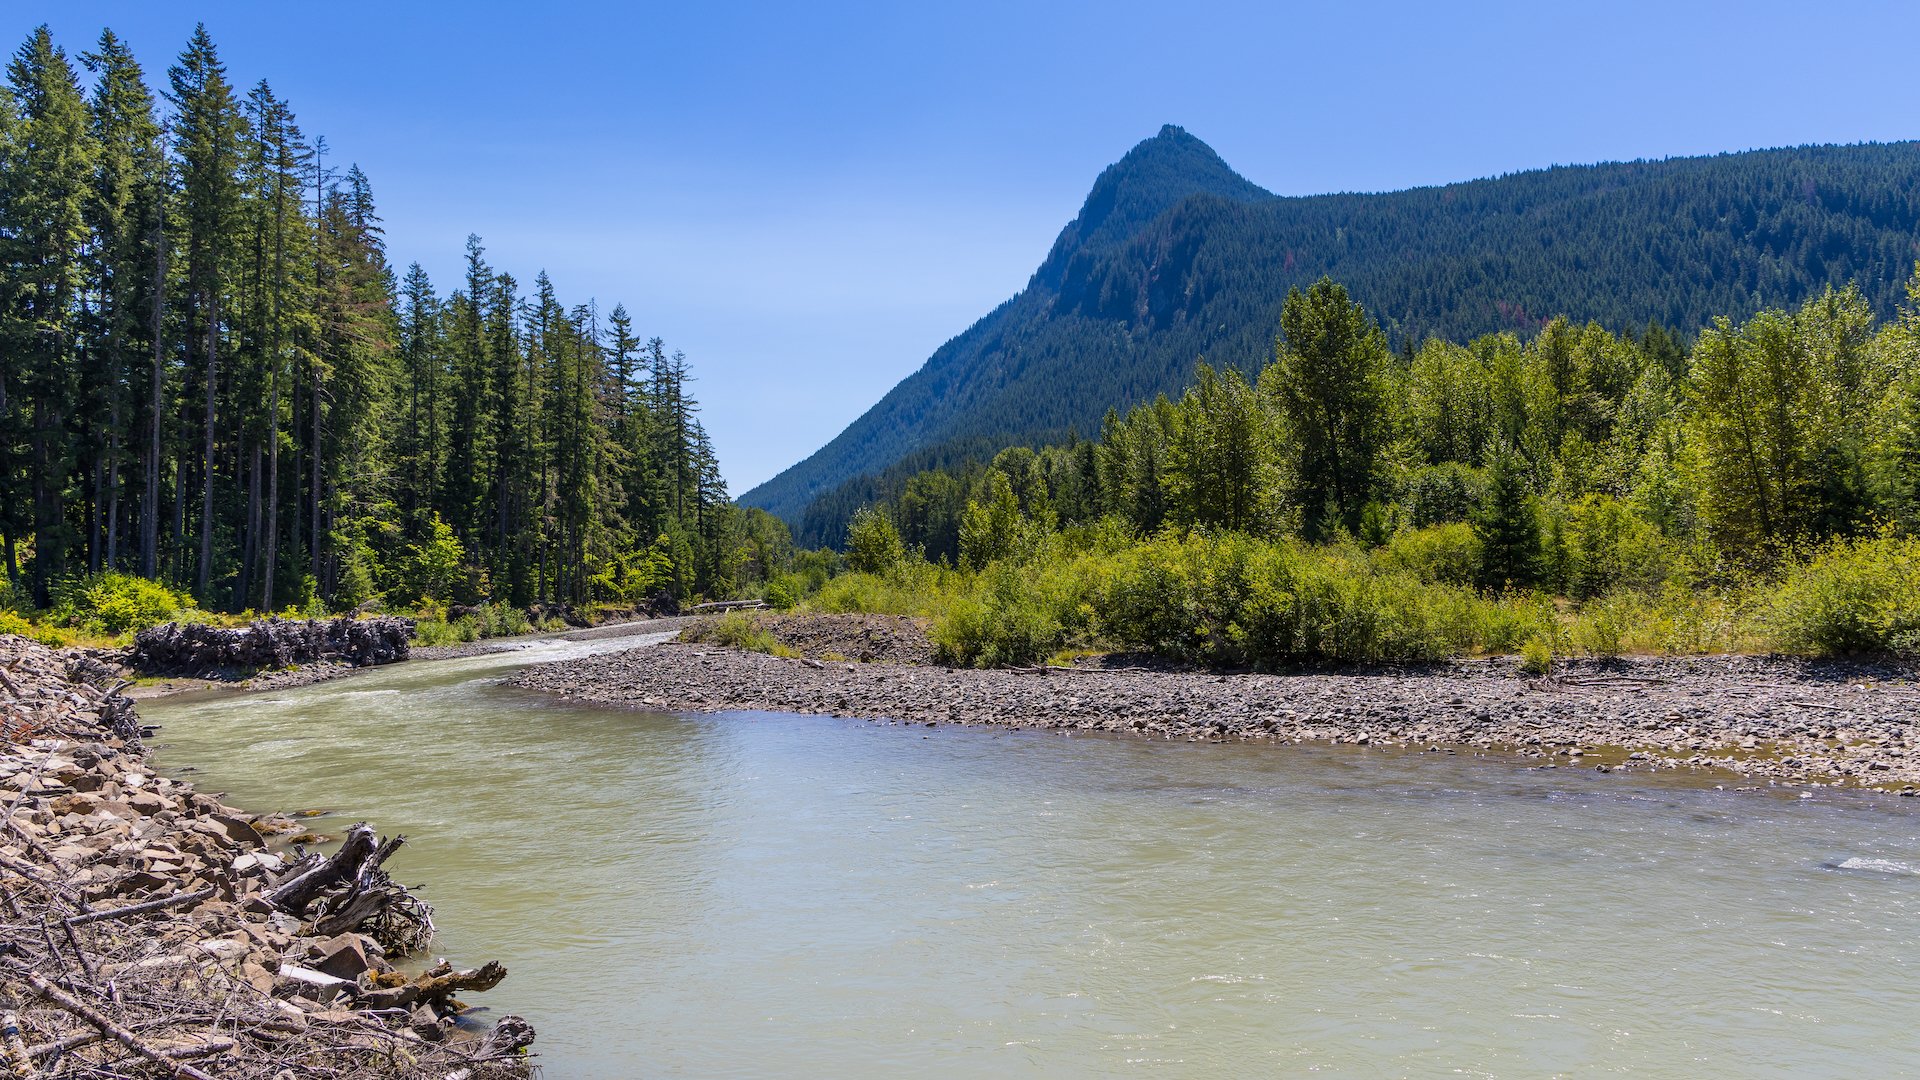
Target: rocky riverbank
151, 930
1758, 718
328, 668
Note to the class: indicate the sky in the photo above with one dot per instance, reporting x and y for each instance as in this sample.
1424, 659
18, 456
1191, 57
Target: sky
809, 199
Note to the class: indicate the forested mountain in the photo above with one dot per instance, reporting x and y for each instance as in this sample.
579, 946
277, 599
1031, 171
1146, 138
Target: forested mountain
1174, 258
210, 375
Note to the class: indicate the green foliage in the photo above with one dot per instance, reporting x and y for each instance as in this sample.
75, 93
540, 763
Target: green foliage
739, 630
1603, 626
1852, 598
1508, 528
1444, 554
991, 527
1329, 384
434, 566
1610, 547
873, 544
116, 603
1235, 600
1174, 257
1437, 494
486, 621
1536, 657
1011, 616
50, 636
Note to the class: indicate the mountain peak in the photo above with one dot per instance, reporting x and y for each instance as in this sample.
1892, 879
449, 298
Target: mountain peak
1153, 177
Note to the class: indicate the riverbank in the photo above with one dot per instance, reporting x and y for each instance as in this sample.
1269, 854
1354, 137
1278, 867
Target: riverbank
152, 930
307, 674
1759, 719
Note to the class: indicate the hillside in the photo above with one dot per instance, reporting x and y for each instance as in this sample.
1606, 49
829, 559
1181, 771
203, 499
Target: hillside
1175, 257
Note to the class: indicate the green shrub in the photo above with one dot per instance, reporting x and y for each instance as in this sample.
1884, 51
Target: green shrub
51, 637
1440, 494
1602, 626
914, 587
1447, 554
1851, 598
739, 630
429, 632
1007, 620
116, 603
1608, 547
1536, 656
502, 620
1235, 600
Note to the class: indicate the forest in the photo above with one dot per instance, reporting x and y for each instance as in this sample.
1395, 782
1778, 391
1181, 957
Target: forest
1174, 256
1572, 491
210, 377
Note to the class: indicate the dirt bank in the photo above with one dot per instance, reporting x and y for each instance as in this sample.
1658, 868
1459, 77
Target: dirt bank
1759, 717
153, 931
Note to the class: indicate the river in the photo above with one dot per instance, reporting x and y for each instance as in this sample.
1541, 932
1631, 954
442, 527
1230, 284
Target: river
749, 895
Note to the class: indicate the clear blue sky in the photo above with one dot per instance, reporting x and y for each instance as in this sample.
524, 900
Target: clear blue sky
809, 198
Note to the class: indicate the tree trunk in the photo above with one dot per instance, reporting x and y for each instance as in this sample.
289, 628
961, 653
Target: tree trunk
203, 573
150, 520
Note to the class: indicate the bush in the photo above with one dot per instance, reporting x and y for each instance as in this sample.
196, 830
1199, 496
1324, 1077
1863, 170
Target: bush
1536, 657
914, 587
430, 632
52, 638
1008, 619
116, 603
1601, 628
1851, 598
1448, 554
1236, 600
739, 630
1611, 547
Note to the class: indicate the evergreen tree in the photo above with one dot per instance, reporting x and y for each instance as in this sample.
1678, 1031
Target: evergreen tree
1508, 527
208, 129
1329, 384
49, 169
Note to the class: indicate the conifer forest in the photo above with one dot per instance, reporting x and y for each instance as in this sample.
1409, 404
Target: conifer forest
211, 376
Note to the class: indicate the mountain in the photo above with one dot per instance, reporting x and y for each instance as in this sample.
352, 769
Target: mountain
1174, 257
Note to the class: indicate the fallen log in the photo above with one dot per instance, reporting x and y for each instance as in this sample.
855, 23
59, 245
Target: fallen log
294, 895
161, 904
436, 985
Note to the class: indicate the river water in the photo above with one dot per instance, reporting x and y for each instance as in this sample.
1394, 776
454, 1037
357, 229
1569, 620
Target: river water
751, 895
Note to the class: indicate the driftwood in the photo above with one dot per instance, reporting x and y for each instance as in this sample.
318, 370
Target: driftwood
192, 648
317, 875
161, 904
435, 986
725, 605
17, 1055
121, 1035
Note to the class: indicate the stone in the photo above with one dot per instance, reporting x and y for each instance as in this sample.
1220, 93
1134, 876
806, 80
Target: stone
343, 956
76, 803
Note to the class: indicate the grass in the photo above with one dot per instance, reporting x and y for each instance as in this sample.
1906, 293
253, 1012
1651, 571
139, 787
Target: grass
739, 630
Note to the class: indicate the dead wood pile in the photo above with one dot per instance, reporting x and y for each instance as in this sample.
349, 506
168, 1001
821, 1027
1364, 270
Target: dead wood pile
148, 930
196, 648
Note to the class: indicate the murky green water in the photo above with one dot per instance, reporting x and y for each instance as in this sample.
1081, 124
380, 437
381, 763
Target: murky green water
762, 895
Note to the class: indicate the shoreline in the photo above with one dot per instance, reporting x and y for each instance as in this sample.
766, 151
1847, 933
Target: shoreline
309, 674
209, 938
1760, 719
